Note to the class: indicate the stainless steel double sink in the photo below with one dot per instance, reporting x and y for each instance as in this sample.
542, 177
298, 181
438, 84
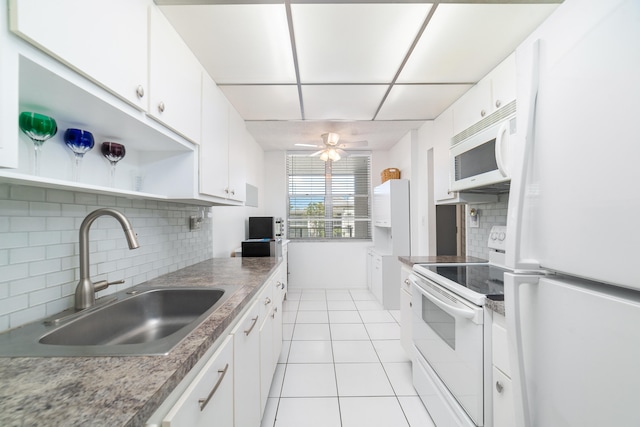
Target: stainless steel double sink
133, 322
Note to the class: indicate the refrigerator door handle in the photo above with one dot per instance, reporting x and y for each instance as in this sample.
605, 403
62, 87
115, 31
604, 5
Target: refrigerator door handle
513, 284
519, 183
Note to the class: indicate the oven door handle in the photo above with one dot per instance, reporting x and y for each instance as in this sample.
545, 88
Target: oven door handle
452, 310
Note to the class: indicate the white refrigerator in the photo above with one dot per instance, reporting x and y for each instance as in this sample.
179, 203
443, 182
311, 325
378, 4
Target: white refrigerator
573, 301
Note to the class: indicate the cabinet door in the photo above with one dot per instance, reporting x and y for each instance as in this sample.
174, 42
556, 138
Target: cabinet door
214, 157
105, 40
503, 83
208, 401
503, 413
376, 277
405, 312
443, 131
472, 107
237, 156
175, 79
266, 358
246, 378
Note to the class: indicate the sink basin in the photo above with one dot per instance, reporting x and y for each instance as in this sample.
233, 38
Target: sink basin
143, 318
143, 322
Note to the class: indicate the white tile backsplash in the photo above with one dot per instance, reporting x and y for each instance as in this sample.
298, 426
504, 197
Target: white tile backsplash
490, 214
39, 246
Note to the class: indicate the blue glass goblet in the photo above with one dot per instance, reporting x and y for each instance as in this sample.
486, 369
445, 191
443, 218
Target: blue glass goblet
79, 141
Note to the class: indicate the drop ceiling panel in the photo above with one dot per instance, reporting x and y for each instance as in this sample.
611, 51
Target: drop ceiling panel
350, 43
419, 102
238, 43
271, 102
341, 102
463, 42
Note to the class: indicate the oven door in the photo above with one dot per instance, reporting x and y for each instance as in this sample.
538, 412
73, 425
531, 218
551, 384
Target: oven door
448, 333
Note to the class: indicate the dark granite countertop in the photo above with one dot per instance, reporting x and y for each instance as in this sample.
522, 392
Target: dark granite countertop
124, 391
411, 260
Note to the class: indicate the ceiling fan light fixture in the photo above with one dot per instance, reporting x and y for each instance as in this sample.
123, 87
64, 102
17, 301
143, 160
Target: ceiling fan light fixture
334, 155
324, 156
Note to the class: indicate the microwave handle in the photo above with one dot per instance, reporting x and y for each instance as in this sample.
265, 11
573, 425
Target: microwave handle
454, 311
500, 147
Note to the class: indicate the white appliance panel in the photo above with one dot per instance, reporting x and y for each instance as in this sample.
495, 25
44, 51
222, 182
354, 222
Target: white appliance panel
575, 199
577, 347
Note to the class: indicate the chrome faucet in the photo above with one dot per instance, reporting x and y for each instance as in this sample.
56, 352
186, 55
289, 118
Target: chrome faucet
86, 289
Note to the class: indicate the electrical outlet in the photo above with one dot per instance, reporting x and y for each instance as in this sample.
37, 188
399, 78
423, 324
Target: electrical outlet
194, 222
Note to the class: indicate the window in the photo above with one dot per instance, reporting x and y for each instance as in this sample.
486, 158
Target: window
329, 200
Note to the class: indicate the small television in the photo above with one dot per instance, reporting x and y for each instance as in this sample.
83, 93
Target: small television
260, 227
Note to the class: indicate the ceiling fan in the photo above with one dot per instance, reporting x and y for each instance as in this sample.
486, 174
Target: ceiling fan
332, 150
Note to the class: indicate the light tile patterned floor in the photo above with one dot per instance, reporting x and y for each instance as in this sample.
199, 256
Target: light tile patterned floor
342, 365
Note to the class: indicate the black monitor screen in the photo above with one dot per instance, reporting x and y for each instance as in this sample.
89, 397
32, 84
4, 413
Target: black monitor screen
260, 227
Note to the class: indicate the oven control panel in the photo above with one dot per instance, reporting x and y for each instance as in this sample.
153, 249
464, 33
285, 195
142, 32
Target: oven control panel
498, 238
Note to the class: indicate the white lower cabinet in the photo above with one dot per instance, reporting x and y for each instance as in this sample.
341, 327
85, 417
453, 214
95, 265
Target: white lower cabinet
503, 414
229, 385
246, 357
405, 311
208, 401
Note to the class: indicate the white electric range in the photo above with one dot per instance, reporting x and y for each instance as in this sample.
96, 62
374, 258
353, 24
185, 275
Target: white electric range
453, 359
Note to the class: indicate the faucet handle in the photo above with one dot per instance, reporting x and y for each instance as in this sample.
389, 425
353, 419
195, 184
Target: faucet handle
103, 284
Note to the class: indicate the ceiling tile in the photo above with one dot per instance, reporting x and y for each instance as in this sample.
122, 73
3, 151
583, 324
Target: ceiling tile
463, 42
351, 43
271, 102
419, 102
341, 102
238, 43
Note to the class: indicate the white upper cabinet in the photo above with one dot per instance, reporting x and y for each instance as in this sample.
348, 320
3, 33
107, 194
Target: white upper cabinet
175, 79
443, 131
238, 135
105, 41
222, 153
493, 92
214, 156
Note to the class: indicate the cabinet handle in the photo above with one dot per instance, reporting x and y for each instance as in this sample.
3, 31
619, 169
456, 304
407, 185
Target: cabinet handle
233, 192
161, 107
483, 113
254, 320
410, 304
499, 386
222, 372
140, 92
498, 103
267, 301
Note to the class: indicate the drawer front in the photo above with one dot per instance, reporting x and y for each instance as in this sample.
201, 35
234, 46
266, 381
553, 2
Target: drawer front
499, 344
208, 401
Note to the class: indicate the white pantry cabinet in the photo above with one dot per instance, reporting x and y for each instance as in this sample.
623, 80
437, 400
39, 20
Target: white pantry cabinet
104, 40
222, 172
175, 79
208, 401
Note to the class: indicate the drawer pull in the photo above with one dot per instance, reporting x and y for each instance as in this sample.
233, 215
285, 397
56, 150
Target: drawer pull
222, 372
499, 386
267, 301
254, 320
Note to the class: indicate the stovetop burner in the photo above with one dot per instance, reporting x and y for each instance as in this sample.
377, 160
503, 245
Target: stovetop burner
484, 279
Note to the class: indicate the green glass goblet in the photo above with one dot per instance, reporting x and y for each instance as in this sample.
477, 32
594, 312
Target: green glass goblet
38, 128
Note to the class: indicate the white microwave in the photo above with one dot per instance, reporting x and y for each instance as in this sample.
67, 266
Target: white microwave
483, 159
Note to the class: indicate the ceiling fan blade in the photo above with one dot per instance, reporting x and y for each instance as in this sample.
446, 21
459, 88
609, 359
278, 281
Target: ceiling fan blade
342, 152
308, 145
316, 153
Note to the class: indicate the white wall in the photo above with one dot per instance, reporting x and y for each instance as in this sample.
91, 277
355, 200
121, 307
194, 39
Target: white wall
339, 265
230, 223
